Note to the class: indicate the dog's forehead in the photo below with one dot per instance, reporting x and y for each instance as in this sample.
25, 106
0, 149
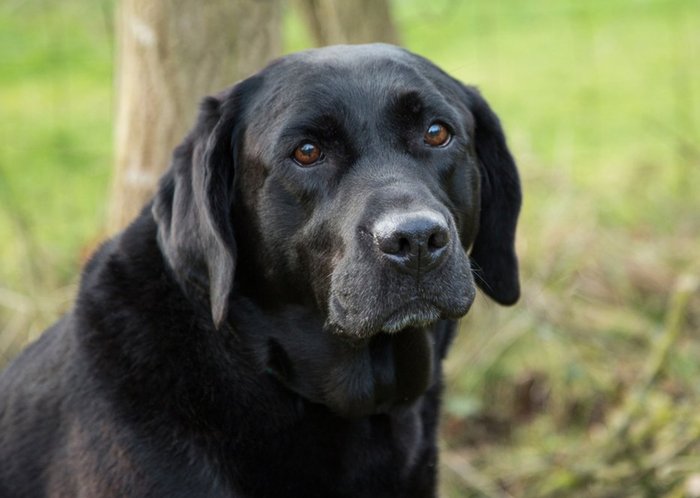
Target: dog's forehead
344, 73
344, 78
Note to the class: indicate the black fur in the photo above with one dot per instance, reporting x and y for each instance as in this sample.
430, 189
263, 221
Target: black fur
240, 339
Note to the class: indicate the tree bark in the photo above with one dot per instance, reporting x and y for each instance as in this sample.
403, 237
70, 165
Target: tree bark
171, 53
341, 21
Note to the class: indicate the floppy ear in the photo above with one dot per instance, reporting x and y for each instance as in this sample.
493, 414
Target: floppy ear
193, 205
493, 250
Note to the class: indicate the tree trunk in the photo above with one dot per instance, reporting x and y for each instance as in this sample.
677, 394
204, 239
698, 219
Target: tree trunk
342, 21
171, 53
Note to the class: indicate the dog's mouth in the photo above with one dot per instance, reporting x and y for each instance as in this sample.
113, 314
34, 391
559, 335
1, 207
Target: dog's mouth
414, 314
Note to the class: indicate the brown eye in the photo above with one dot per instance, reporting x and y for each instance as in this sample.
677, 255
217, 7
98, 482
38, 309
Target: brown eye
437, 135
307, 154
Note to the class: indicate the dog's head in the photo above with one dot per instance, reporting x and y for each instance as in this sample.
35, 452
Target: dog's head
359, 183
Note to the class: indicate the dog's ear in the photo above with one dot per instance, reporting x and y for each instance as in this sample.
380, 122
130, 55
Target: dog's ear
493, 251
193, 204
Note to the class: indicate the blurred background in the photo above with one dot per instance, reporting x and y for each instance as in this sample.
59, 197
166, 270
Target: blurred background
590, 385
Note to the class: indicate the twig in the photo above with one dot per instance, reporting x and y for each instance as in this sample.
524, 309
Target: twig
685, 287
471, 477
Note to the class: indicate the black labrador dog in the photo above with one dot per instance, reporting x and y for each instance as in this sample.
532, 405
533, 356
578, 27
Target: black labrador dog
273, 323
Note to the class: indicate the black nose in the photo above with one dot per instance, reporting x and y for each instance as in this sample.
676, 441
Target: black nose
415, 241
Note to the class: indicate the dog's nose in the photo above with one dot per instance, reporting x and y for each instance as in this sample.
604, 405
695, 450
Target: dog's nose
415, 241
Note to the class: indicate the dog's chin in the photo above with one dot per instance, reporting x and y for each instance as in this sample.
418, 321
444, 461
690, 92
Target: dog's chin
416, 314
413, 314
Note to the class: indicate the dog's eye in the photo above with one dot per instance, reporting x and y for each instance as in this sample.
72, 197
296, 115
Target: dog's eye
437, 135
307, 154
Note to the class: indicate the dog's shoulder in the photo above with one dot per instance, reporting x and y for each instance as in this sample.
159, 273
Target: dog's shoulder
39, 372
33, 391
76, 406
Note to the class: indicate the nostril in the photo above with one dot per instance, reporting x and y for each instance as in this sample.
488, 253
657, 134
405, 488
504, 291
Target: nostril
388, 244
438, 240
404, 246
394, 244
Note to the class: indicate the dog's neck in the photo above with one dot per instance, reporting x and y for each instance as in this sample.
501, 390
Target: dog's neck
352, 378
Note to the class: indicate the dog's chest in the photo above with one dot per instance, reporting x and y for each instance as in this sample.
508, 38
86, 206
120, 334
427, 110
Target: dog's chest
380, 456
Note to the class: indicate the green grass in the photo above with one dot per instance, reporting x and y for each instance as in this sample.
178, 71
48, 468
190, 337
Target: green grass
601, 102
56, 105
